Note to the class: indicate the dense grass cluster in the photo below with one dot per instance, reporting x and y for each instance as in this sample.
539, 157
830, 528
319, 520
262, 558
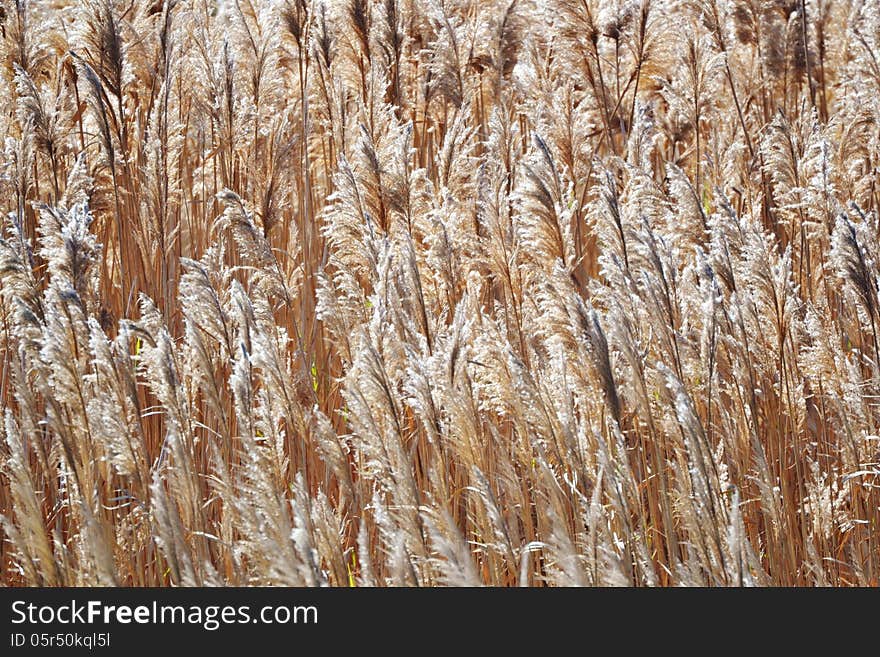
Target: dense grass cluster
438, 292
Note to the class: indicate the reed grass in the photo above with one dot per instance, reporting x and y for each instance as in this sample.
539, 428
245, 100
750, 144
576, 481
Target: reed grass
439, 292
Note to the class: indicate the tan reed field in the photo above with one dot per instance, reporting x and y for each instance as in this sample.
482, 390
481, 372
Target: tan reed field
440, 292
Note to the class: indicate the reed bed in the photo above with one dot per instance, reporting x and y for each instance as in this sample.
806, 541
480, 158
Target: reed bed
440, 292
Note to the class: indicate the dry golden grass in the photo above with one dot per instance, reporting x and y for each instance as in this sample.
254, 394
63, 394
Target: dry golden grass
440, 292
